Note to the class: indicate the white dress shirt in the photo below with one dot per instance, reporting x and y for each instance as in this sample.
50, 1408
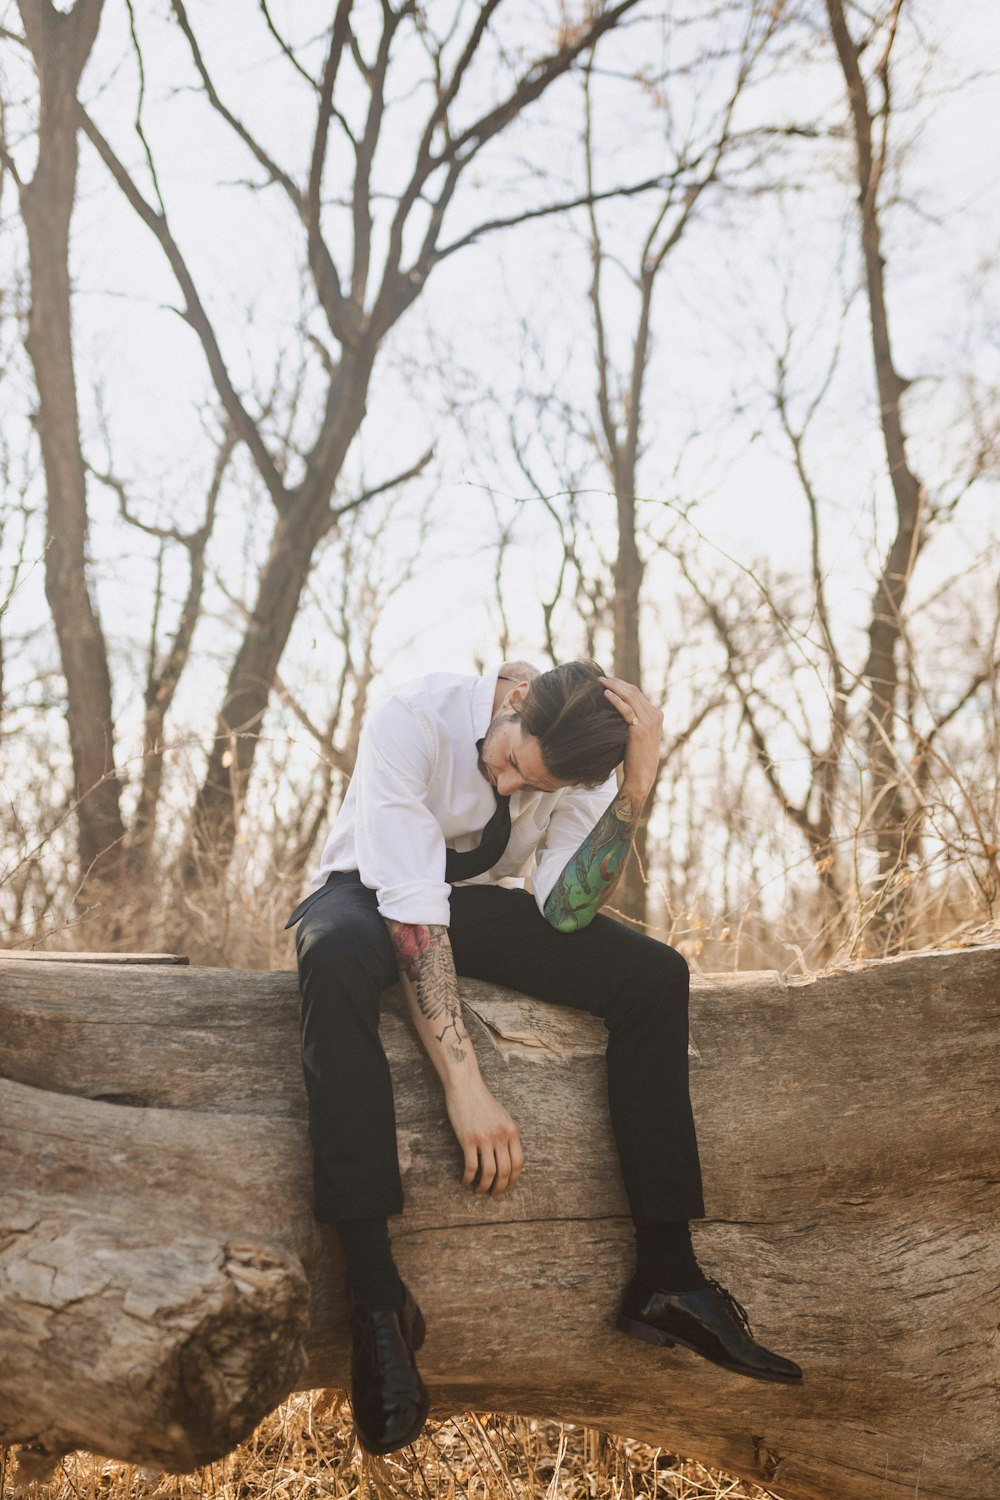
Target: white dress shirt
417, 789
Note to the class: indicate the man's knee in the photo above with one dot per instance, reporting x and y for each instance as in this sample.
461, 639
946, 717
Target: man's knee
657, 986
344, 951
672, 972
654, 967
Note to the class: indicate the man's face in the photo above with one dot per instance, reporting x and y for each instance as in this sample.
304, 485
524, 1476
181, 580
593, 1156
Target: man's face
512, 760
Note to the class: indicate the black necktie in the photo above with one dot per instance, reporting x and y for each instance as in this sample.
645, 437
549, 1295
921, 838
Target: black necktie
496, 836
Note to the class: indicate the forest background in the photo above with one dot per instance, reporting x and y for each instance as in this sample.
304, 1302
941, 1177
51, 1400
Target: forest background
335, 349
339, 344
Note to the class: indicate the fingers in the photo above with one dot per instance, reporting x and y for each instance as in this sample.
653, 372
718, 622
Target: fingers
630, 701
487, 1170
621, 687
502, 1179
622, 705
516, 1158
489, 1140
624, 696
497, 1167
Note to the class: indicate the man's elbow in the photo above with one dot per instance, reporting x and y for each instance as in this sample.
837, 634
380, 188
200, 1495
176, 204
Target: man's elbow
567, 921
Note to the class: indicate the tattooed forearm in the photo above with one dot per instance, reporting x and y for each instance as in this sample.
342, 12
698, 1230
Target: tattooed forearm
595, 869
424, 957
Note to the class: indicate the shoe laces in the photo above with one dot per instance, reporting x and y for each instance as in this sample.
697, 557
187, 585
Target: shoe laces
736, 1308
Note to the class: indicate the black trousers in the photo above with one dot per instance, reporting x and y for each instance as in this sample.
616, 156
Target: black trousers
638, 986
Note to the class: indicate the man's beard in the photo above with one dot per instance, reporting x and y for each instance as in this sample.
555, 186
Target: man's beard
490, 734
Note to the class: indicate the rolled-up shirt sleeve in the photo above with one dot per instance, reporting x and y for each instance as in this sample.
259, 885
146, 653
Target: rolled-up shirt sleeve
399, 843
575, 816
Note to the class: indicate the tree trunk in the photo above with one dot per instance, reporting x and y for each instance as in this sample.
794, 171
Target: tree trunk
220, 800
630, 897
60, 45
888, 811
155, 1221
297, 533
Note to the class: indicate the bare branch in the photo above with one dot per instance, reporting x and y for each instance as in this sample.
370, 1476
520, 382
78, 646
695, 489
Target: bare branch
798, 814
345, 324
796, 439
285, 48
608, 426
337, 514
274, 172
375, 78
140, 100
399, 290
194, 314
7, 162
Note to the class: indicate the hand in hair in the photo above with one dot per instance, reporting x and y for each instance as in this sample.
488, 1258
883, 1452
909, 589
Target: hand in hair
590, 877
642, 752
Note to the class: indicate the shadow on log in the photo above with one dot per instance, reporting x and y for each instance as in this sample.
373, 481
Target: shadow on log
162, 1284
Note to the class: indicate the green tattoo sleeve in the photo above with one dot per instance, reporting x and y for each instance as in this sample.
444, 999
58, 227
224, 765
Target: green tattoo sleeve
595, 869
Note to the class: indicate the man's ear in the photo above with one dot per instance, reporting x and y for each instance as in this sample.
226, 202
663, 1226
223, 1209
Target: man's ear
517, 695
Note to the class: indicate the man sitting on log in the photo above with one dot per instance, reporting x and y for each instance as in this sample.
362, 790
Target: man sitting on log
463, 787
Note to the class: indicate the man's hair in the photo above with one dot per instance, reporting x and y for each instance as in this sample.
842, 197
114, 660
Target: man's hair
581, 735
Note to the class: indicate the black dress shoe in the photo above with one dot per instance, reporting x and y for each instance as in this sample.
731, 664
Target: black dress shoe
389, 1398
709, 1321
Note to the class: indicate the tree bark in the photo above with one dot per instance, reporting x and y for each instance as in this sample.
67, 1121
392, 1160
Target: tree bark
630, 897
887, 803
60, 44
298, 530
157, 1249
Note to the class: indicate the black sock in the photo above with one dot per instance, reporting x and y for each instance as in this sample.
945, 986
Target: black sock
371, 1271
665, 1256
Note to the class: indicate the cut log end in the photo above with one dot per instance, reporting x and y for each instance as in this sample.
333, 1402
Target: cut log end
243, 1358
189, 1344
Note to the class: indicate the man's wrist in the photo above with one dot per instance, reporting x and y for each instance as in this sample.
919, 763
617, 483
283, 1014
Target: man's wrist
458, 1077
628, 803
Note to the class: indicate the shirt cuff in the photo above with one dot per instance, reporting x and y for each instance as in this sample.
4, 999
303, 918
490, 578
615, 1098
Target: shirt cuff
420, 902
544, 877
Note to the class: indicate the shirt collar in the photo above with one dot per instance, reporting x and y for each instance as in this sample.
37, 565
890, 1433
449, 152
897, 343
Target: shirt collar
483, 693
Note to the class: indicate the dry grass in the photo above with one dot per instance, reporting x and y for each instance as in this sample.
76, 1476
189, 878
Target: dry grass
306, 1448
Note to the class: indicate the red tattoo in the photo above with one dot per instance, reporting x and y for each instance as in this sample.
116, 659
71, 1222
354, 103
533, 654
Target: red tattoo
411, 943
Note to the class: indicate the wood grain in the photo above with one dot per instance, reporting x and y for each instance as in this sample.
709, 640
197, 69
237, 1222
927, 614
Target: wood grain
40, 956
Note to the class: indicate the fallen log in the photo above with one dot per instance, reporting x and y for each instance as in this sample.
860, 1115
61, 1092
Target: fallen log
162, 1284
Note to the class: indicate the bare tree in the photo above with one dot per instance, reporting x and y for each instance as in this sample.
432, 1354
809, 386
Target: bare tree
802, 696
60, 43
164, 667
621, 394
769, 715
870, 101
604, 582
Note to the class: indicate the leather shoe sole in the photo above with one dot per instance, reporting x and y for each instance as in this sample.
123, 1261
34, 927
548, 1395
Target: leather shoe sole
401, 1440
709, 1323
